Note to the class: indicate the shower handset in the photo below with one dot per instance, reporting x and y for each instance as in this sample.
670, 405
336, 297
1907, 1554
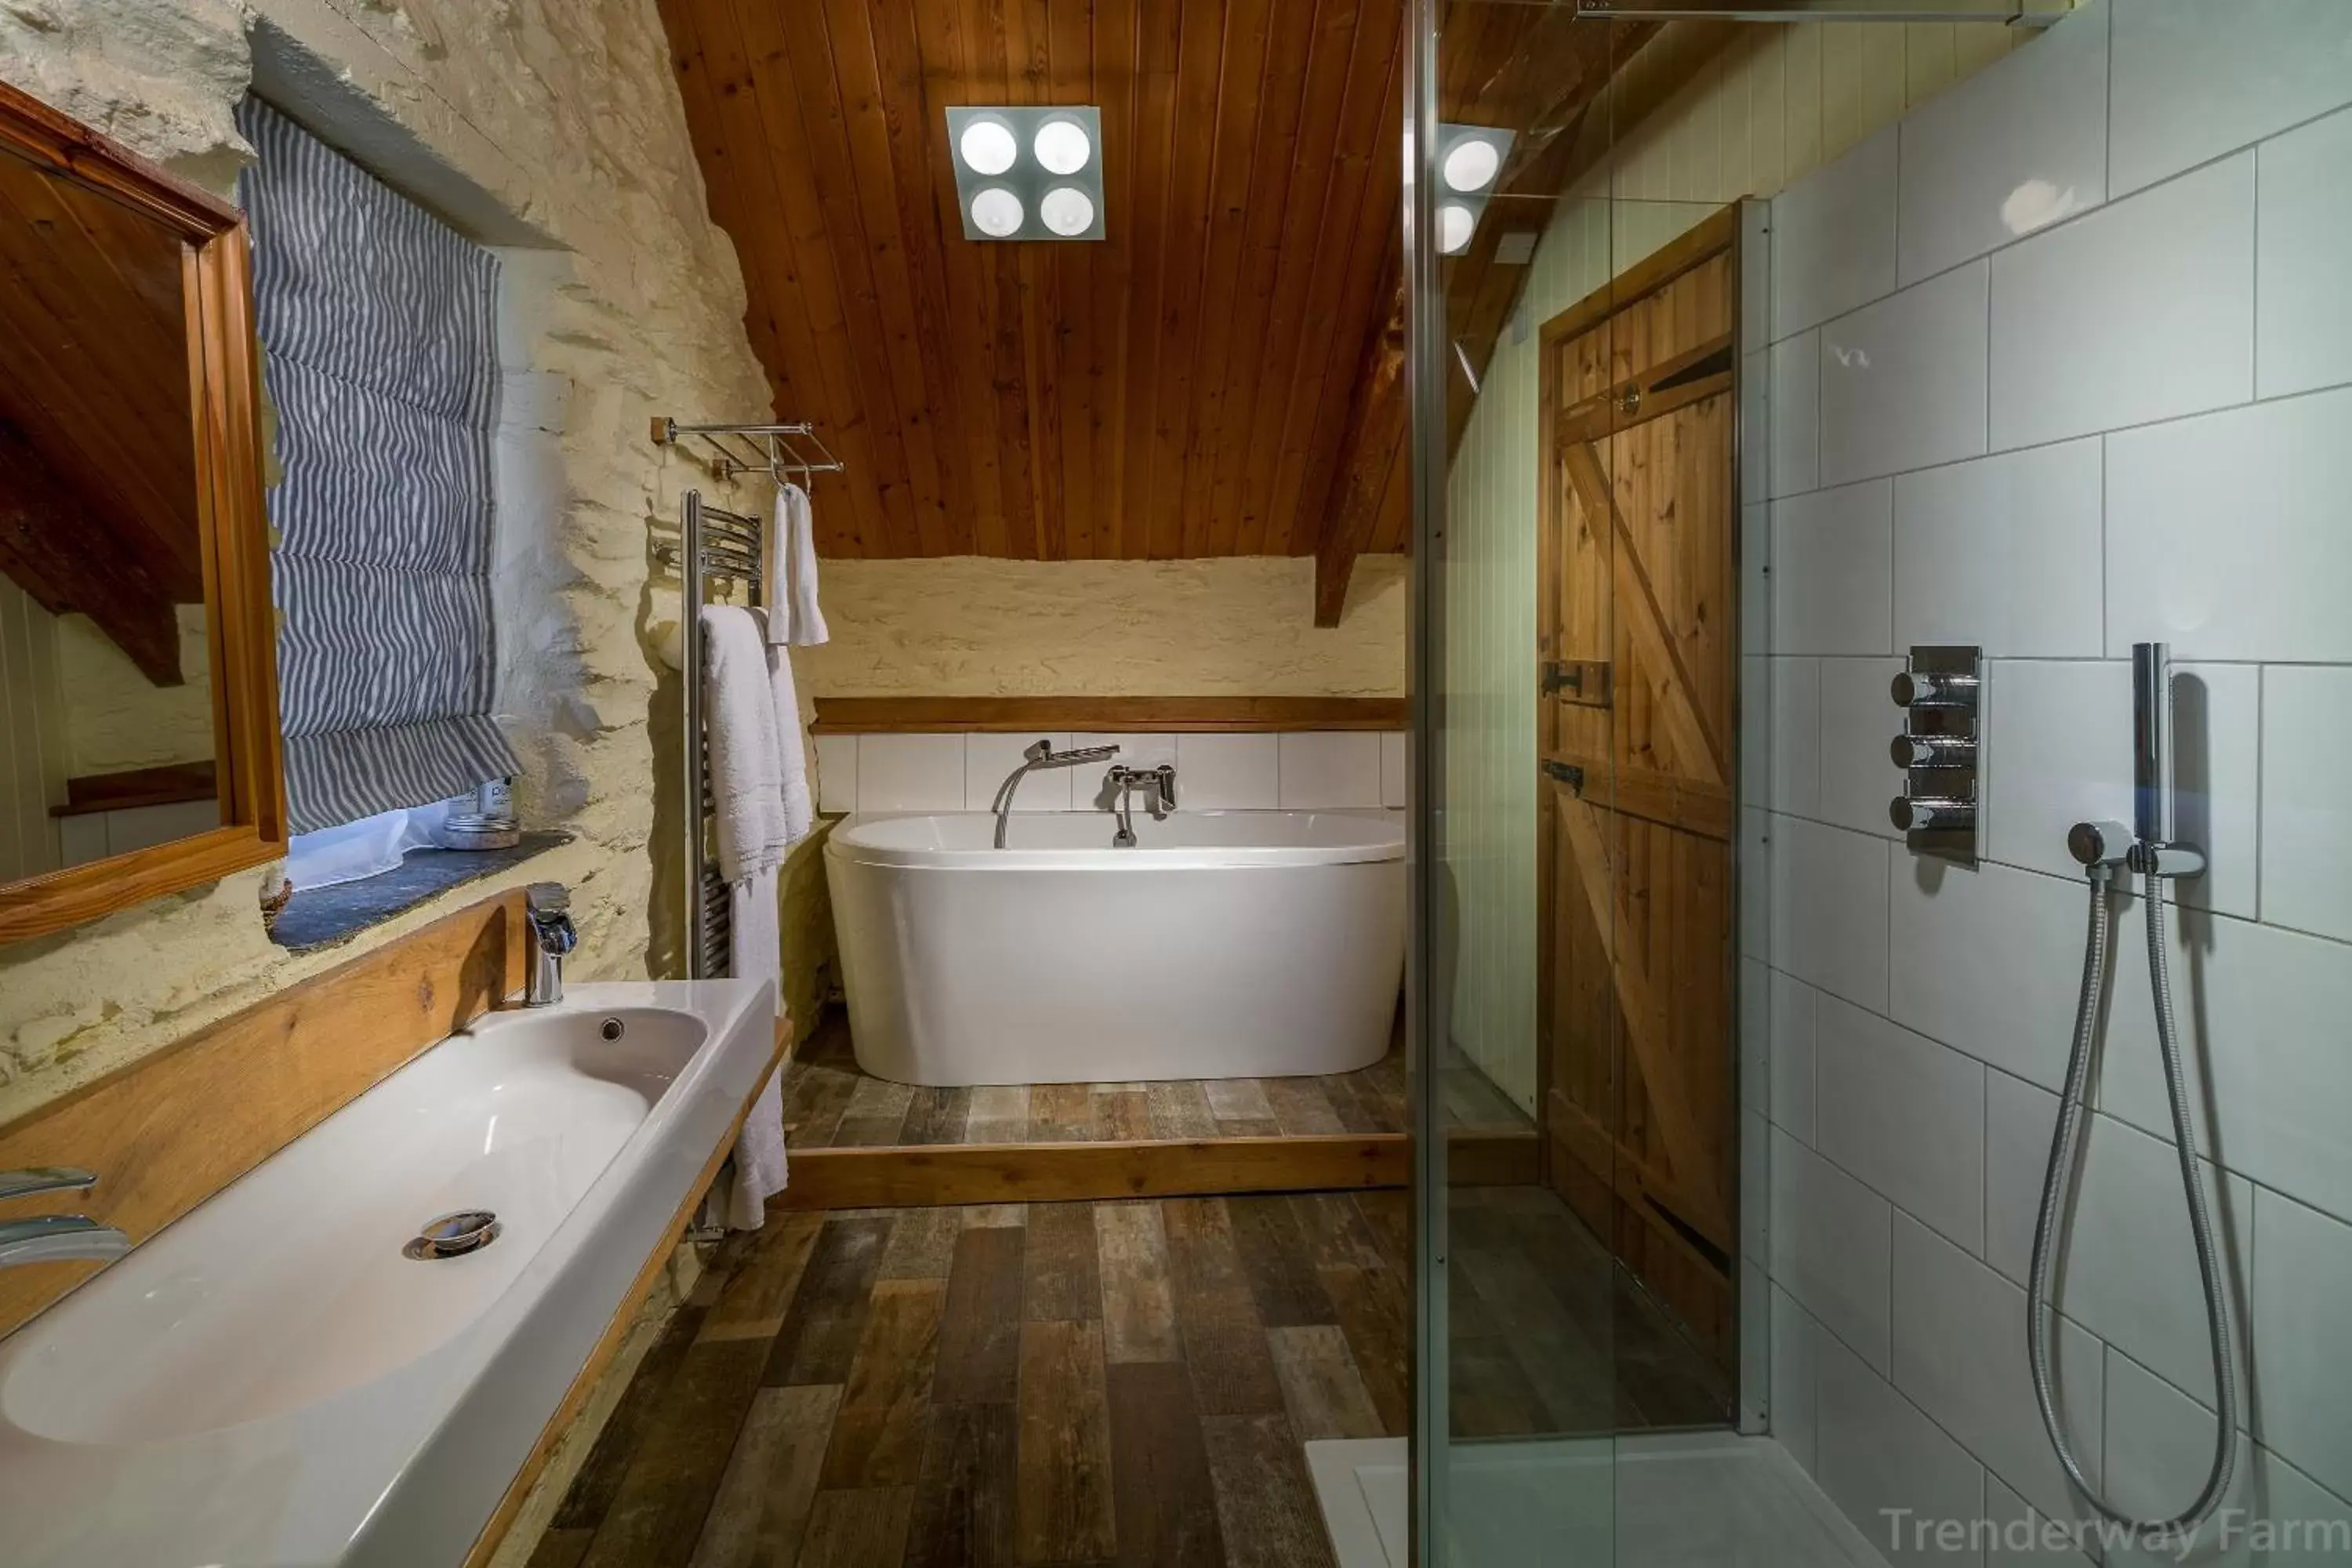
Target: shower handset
2146, 848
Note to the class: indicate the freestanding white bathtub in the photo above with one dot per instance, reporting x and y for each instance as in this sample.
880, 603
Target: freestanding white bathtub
1224, 944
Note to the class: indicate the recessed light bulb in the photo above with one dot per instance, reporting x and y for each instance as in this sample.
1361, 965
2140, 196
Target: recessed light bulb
988, 146
1063, 146
1456, 224
997, 213
1067, 211
1472, 164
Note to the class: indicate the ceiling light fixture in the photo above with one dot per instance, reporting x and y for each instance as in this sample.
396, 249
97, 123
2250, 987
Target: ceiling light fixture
1028, 174
1470, 161
987, 145
1067, 211
997, 213
1063, 146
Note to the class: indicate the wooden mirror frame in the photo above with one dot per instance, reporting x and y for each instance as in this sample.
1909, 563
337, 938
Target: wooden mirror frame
241, 623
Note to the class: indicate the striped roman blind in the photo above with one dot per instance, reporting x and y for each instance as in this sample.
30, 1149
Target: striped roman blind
378, 327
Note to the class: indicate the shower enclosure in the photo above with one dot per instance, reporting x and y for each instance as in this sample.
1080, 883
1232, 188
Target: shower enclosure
1820, 410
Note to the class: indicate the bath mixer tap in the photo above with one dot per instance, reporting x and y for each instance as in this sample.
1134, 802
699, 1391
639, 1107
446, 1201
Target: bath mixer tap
547, 917
54, 1238
1041, 755
1159, 783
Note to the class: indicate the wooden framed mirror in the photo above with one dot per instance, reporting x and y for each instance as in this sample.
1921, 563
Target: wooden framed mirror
139, 724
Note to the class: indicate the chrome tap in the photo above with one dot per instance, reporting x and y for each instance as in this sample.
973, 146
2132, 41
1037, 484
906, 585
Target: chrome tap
54, 1238
1158, 782
547, 915
1041, 755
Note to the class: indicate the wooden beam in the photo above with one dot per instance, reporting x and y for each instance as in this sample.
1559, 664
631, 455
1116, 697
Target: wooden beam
1378, 422
70, 551
1100, 715
169, 784
953, 1173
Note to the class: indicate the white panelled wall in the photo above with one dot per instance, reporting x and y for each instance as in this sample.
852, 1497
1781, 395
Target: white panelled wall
1770, 108
2063, 359
1303, 770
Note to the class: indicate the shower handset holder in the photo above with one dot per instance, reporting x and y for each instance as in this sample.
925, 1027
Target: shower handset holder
1940, 692
2146, 848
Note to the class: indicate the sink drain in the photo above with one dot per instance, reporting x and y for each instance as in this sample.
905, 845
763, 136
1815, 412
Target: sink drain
455, 1235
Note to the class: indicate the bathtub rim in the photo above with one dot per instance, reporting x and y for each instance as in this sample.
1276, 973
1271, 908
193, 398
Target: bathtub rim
1381, 839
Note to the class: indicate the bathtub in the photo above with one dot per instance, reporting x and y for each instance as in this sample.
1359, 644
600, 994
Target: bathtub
1225, 944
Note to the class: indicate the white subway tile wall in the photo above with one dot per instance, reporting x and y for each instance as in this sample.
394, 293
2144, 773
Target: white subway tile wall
2085, 378
1301, 770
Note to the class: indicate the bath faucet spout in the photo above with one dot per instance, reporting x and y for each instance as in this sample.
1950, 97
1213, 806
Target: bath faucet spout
1159, 783
54, 1238
1041, 755
547, 917
58, 1238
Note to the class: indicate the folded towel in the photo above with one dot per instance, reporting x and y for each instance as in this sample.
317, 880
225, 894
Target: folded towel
792, 741
791, 571
746, 752
756, 953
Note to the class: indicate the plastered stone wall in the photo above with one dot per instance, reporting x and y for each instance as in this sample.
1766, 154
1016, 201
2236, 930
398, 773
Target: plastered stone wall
116, 719
971, 627
564, 112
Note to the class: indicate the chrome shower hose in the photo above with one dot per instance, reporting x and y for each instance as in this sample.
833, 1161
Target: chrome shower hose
2065, 1151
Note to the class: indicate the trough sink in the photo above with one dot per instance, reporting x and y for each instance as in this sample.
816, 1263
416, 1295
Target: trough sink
302, 1371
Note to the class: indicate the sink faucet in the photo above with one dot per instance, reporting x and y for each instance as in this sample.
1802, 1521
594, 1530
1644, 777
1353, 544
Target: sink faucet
1041, 755
54, 1238
1159, 783
547, 915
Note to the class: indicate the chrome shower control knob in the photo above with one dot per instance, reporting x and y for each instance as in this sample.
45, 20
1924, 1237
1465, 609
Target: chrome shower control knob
2099, 843
1922, 689
1913, 813
1931, 750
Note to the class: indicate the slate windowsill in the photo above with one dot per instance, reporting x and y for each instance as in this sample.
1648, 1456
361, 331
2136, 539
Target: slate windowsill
321, 917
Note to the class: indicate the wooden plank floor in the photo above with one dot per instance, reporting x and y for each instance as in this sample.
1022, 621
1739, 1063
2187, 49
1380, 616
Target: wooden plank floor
1127, 1383
1093, 1383
1551, 1335
830, 1104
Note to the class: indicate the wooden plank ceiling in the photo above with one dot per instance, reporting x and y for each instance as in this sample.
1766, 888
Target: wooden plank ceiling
98, 453
1196, 385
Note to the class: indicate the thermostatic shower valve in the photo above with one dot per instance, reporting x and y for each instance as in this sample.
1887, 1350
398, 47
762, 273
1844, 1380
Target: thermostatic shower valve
1940, 695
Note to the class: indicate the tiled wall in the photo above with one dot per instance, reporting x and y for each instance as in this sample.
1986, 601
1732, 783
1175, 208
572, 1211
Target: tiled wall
1764, 110
1301, 770
2061, 362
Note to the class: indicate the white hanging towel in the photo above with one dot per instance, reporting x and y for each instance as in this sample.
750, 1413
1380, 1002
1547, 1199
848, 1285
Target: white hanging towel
747, 769
791, 571
756, 953
758, 778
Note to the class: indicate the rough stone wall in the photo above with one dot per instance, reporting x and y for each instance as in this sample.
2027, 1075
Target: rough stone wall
970, 627
565, 113
117, 719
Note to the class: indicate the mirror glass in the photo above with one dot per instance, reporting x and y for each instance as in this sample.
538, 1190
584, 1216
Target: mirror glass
107, 716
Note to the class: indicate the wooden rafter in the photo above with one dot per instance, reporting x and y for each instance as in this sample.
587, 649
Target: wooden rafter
71, 551
1376, 426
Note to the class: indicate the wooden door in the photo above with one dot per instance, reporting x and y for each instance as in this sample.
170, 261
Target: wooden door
1639, 663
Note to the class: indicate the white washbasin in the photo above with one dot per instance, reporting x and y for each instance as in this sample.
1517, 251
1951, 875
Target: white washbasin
274, 1379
